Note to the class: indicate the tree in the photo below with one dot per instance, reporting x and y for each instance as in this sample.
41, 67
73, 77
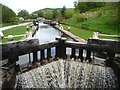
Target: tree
55, 14
81, 7
32, 16
63, 11
86, 6
40, 14
8, 15
68, 13
48, 15
24, 14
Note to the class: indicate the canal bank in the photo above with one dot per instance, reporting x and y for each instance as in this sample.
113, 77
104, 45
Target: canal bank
69, 34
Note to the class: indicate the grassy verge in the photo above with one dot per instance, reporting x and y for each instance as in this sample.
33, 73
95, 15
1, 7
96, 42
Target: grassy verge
15, 39
85, 34
109, 37
79, 32
14, 31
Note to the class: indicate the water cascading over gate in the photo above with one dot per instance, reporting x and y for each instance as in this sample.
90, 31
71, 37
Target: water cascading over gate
68, 74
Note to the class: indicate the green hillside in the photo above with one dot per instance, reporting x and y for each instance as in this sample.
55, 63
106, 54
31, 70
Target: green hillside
105, 21
45, 10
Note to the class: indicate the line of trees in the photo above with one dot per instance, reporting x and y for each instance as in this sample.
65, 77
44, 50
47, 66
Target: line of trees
24, 14
82, 7
8, 15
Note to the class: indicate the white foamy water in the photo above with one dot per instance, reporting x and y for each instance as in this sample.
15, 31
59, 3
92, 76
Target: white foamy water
68, 74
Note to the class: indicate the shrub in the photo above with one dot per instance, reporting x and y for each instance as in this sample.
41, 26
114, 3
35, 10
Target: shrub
85, 26
68, 14
79, 17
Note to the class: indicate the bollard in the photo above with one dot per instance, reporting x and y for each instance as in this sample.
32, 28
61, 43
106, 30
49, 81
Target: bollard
26, 36
27, 28
1, 35
10, 37
95, 35
68, 28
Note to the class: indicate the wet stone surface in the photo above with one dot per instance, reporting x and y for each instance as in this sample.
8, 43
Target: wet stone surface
68, 74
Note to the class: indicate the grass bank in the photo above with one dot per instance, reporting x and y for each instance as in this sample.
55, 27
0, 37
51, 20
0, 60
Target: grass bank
99, 24
82, 33
85, 34
103, 20
14, 31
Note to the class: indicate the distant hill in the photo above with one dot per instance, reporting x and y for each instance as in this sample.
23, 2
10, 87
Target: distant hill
49, 10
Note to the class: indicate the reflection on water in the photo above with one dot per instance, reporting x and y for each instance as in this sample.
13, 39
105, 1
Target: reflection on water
68, 74
45, 33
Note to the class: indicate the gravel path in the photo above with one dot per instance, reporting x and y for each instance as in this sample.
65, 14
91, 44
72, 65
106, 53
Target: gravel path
12, 26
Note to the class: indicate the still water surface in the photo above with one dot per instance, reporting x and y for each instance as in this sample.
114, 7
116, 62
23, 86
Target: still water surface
45, 33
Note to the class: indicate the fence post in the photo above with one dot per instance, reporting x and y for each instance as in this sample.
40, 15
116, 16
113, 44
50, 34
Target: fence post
110, 59
48, 54
62, 48
35, 57
88, 55
81, 54
73, 53
58, 47
42, 56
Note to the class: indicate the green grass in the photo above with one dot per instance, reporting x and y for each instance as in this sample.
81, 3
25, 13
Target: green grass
109, 37
15, 39
14, 31
106, 23
102, 25
80, 32
99, 24
85, 34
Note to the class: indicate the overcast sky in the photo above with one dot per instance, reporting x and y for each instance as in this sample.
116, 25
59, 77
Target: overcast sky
33, 5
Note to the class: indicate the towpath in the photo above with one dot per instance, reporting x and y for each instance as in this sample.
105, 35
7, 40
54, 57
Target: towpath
12, 26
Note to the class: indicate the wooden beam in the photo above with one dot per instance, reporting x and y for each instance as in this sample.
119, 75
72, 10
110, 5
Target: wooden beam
114, 45
47, 45
14, 49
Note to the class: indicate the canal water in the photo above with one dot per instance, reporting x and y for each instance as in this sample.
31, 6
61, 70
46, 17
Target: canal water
45, 33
